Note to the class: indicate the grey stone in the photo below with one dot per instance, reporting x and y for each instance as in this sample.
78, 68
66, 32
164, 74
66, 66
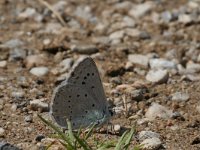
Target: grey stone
156, 110
132, 32
84, 12
139, 59
39, 71
137, 95
18, 94
65, 65
180, 96
37, 104
2, 132
160, 63
140, 10
60, 6
185, 18
7, 146
35, 60
28, 118
13, 43
17, 54
193, 67
157, 76
198, 108
151, 143
117, 35
3, 64
147, 134
85, 49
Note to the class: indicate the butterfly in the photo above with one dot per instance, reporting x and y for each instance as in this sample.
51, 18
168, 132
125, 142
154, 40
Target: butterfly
80, 98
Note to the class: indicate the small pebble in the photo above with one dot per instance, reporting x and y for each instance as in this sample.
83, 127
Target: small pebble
14, 107
3, 64
157, 76
28, 118
139, 59
151, 143
39, 71
7, 146
117, 35
39, 138
117, 127
13, 43
37, 104
2, 132
65, 65
156, 110
180, 96
148, 134
17, 54
160, 63
35, 60
141, 9
198, 108
85, 49
18, 95
185, 18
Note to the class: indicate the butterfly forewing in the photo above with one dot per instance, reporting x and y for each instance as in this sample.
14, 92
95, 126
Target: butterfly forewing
86, 75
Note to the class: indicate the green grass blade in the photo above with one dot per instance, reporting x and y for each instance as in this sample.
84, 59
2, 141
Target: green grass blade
107, 145
129, 138
70, 131
60, 133
82, 143
121, 141
89, 133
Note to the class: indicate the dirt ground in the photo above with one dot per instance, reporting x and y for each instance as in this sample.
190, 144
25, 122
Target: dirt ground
39, 32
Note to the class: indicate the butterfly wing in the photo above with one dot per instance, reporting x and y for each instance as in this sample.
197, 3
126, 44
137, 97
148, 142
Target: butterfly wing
77, 105
84, 79
86, 76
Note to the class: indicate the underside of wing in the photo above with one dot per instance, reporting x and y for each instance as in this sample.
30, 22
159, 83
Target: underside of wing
71, 102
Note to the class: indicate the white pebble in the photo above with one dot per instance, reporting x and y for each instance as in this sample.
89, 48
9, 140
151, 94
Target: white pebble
117, 128
39, 71
180, 96
3, 64
2, 132
157, 76
147, 134
151, 143
139, 59
156, 110
37, 104
160, 63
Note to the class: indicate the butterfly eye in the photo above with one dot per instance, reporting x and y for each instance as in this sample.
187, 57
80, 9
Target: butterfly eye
92, 74
93, 105
83, 82
85, 95
88, 74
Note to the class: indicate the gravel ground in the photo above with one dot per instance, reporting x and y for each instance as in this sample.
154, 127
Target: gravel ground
147, 53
